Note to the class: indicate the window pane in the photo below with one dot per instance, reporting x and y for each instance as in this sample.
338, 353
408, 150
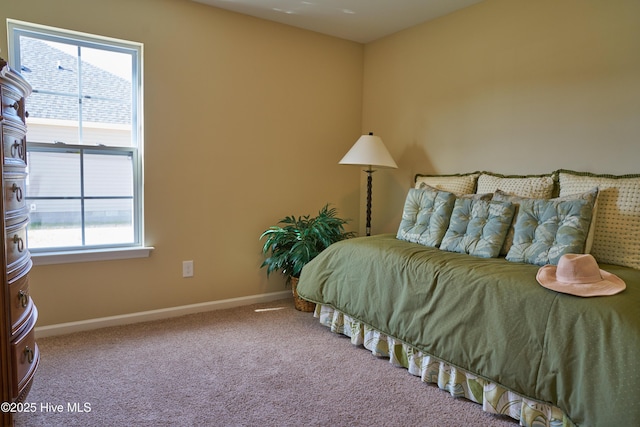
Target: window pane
106, 97
49, 66
54, 223
51, 69
108, 175
49, 133
53, 174
52, 118
106, 74
106, 122
109, 221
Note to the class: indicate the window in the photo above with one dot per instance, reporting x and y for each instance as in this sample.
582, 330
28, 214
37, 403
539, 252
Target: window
84, 153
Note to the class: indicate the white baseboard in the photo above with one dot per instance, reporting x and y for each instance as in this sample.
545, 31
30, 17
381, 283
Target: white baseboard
163, 313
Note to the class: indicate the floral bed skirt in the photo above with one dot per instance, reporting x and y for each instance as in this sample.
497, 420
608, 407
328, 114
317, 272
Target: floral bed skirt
493, 397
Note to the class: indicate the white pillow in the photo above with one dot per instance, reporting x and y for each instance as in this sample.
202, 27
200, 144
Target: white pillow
456, 184
617, 224
535, 187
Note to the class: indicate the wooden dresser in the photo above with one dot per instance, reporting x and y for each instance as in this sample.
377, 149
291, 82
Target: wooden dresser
20, 355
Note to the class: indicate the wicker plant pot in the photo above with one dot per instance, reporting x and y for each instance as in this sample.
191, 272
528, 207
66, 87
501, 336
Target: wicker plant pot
299, 303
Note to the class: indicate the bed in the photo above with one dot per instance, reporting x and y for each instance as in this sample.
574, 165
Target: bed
476, 322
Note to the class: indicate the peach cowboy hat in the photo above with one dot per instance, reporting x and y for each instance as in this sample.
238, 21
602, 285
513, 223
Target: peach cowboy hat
579, 274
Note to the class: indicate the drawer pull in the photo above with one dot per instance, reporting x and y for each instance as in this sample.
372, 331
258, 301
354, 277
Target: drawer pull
15, 106
17, 240
24, 298
18, 190
29, 354
17, 149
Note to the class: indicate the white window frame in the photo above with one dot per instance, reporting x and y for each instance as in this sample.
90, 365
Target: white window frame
97, 252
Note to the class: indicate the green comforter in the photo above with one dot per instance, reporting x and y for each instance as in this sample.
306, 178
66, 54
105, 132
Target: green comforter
490, 317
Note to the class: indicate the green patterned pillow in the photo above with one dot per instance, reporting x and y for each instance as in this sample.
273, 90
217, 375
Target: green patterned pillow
478, 227
590, 196
425, 217
547, 229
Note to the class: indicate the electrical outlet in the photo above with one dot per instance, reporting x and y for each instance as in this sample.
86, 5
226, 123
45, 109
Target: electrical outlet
187, 268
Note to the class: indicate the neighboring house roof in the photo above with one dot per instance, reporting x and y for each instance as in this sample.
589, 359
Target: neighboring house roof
53, 70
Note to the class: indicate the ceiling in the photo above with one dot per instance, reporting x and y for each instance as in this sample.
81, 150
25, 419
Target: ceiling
361, 21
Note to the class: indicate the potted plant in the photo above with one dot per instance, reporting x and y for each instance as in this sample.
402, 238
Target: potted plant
290, 245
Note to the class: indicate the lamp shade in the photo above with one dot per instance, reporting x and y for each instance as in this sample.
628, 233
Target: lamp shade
369, 150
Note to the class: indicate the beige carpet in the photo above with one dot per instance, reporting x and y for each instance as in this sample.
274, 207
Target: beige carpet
259, 365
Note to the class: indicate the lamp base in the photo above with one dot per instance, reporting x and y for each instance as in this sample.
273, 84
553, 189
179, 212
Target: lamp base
369, 188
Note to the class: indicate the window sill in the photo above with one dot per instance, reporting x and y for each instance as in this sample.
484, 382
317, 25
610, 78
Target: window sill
45, 258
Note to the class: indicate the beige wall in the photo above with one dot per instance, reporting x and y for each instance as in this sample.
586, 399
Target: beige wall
245, 121
506, 86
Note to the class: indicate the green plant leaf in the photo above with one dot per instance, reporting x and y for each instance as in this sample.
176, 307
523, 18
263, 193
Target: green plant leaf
290, 245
